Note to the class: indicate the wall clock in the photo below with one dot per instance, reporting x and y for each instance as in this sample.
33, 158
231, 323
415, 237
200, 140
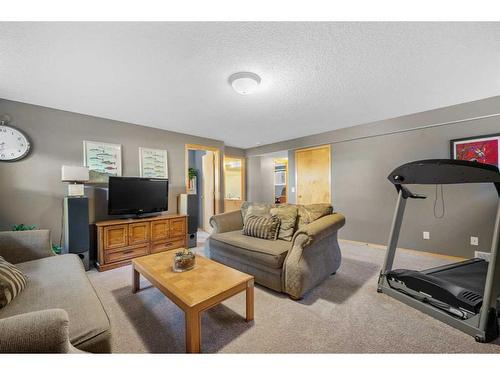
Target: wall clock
14, 144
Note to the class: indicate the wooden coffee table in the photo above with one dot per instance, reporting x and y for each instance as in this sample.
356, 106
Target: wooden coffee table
205, 286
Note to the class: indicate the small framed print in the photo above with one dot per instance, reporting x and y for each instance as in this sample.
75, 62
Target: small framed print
483, 149
103, 160
153, 162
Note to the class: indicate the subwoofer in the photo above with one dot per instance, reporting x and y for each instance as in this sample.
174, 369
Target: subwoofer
188, 205
76, 228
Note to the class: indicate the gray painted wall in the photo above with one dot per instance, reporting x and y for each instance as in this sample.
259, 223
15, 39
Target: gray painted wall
31, 189
260, 179
233, 151
362, 158
253, 177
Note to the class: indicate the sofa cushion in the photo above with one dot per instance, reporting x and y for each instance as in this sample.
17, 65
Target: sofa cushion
311, 212
258, 209
288, 218
61, 282
265, 227
256, 250
12, 282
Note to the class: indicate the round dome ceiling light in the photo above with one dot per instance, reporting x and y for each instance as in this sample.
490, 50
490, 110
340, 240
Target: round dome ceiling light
244, 83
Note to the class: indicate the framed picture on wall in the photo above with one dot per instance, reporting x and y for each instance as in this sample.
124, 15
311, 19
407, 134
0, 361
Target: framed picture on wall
483, 149
103, 160
153, 162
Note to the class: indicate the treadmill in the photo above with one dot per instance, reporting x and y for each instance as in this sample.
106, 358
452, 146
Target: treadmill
466, 294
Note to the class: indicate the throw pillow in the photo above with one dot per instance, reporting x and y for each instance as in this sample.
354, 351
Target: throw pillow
265, 227
288, 218
258, 209
311, 212
12, 282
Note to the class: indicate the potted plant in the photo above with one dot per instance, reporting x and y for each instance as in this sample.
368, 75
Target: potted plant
192, 176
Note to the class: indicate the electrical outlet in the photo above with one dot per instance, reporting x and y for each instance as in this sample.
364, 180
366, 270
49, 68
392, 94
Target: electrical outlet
292, 189
474, 241
482, 255
427, 235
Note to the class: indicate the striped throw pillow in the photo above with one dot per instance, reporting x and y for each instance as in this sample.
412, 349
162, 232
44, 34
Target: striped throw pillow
266, 227
12, 282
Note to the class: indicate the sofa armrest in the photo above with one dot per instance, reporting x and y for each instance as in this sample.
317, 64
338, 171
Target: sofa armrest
314, 256
23, 246
227, 222
321, 228
45, 331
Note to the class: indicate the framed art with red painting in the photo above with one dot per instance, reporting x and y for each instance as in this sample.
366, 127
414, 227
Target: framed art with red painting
483, 149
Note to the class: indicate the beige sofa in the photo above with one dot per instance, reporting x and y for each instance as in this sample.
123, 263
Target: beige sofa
292, 267
59, 310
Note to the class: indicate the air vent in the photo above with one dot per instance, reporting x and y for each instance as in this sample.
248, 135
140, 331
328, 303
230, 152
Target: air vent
471, 296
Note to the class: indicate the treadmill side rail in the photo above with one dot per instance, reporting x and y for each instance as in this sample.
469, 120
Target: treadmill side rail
492, 279
397, 220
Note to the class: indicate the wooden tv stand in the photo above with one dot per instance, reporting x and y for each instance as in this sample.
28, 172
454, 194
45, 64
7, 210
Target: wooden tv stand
119, 241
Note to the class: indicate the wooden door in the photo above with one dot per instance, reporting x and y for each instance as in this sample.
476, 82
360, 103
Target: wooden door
313, 175
138, 233
208, 197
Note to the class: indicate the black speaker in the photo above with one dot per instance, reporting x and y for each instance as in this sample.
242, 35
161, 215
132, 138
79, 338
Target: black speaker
76, 228
192, 239
188, 205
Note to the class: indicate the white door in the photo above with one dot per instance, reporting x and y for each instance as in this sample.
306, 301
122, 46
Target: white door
208, 190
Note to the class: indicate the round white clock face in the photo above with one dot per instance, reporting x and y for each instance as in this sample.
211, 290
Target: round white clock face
14, 145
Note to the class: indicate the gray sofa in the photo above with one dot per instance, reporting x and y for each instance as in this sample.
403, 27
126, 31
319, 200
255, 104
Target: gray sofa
291, 267
59, 310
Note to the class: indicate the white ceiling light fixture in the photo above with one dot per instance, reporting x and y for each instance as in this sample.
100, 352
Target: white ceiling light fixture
244, 83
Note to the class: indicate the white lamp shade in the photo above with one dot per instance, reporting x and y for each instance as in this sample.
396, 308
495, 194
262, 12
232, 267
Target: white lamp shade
70, 173
244, 83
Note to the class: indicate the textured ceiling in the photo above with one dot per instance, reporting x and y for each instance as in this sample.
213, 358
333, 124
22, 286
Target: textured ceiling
315, 76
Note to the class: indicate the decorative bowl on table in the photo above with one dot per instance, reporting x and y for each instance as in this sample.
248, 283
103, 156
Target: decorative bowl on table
184, 260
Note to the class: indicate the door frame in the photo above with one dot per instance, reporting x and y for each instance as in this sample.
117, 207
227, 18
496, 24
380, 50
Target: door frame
243, 173
285, 161
243, 178
329, 146
217, 171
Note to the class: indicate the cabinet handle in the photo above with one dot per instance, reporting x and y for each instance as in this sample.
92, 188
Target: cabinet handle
128, 251
168, 243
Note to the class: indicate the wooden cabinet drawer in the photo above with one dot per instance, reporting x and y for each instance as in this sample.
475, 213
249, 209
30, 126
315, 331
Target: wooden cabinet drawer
115, 236
178, 227
138, 233
158, 247
126, 254
119, 241
160, 230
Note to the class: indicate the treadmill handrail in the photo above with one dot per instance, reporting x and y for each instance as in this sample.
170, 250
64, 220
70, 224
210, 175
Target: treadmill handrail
444, 171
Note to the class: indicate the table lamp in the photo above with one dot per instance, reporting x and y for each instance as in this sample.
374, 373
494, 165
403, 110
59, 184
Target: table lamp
75, 175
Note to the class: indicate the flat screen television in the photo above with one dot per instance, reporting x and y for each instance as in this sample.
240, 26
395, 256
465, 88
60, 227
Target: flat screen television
137, 195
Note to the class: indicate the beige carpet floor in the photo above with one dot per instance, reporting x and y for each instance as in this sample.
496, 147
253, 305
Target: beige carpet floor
345, 314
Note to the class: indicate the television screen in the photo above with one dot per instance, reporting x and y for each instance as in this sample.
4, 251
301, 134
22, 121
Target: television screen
135, 195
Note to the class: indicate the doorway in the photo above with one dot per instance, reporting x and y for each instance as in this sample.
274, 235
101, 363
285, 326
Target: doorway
280, 180
203, 180
313, 175
234, 182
